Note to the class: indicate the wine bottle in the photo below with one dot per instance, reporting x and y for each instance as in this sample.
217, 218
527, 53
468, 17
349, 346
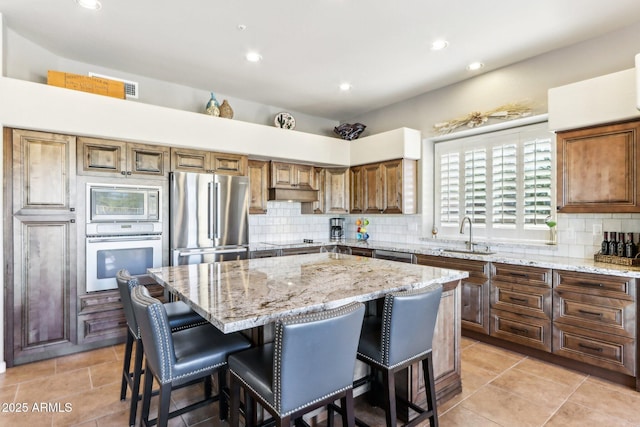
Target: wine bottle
604, 246
620, 248
630, 248
613, 243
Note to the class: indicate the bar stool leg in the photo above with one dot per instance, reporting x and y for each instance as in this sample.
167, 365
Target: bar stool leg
135, 387
127, 366
389, 383
146, 396
224, 403
427, 369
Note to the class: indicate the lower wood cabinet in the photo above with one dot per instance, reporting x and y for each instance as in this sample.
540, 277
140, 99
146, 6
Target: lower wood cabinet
595, 320
474, 289
521, 305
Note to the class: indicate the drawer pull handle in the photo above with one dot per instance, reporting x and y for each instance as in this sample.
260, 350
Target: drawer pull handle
595, 285
518, 299
519, 274
519, 331
590, 313
588, 347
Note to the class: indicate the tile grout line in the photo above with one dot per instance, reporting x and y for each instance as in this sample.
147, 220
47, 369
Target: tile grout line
566, 399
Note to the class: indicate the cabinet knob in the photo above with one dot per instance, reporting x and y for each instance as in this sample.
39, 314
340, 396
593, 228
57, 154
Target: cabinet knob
123, 173
72, 209
72, 221
129, 173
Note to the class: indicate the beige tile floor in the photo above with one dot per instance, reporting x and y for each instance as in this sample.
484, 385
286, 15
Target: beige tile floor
500, 388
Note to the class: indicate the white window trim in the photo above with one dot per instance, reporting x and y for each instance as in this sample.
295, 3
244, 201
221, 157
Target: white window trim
533, 233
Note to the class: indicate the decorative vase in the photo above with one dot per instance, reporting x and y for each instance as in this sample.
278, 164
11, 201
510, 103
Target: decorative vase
225, 110
212, 107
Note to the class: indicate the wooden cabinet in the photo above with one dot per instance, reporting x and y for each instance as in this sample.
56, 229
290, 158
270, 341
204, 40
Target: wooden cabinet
101, 157
366, 252
187, 160
258, 172
300, 251
521, 305
474, 289
264, 253
290, 175
594, 318
386, 187
40, 241
317, 183
598, 169
333, 192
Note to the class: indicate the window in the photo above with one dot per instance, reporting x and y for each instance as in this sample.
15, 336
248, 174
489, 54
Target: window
503, 181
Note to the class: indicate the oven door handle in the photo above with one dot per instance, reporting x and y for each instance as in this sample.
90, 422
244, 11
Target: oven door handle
126, 239
211, 251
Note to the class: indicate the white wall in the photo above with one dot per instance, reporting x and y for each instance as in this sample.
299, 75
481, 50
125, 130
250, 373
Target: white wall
527, 80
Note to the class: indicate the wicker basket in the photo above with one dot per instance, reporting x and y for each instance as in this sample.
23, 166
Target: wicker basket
612, 259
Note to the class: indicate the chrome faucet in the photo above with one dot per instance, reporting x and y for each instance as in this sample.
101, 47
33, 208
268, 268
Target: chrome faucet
470, 242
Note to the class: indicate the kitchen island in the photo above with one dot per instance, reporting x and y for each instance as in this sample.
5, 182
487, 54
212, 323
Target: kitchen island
249, 295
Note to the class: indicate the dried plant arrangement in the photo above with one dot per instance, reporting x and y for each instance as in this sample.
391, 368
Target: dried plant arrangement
476, 118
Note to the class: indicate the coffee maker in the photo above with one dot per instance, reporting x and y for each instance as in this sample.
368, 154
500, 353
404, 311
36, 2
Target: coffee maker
336, 229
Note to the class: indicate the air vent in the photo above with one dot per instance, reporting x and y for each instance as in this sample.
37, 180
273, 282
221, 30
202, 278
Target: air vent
130, 88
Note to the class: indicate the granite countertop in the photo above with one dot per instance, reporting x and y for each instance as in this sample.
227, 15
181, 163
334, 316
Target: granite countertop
238, 295
554, 262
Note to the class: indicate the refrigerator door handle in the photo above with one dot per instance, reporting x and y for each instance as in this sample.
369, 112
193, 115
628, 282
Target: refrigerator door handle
216, 207
212, 212
211, 251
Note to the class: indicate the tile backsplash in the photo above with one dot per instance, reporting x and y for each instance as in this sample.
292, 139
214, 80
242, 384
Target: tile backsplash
579, 235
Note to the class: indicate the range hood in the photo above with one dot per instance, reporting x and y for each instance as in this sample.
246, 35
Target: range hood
293, 195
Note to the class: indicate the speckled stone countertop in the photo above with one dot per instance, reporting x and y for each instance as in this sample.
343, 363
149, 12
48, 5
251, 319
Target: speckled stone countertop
559, 263
237, 295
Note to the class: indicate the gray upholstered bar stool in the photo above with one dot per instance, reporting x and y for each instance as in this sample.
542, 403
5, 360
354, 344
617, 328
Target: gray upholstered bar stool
180, 317
400, 337
310, 364
179, 358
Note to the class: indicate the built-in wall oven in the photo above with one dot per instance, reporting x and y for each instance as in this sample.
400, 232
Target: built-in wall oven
124, 230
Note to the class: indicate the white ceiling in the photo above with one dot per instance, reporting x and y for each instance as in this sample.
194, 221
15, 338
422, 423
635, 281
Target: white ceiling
309, 47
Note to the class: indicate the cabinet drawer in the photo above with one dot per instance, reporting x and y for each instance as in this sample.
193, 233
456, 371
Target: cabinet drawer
361, 251
595, 348
99, 301
477, 269
531, 276
102, 325
595, 284
529, 331
529, 300
609, 315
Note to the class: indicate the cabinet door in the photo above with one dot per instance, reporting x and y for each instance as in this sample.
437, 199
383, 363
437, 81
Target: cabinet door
282, 175
44, 286
229, 164
101, 157
303, 177
258, 180
372, 188
185, 160
150, 161
43, 172
474, 289
598, 169
356, 204
337, 191
317, 183
391, 174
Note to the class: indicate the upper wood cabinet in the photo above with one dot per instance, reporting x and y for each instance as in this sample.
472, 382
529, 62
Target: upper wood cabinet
102, 157
386, 187
598, 169
291, 175
258, 180
187, 160
333, 192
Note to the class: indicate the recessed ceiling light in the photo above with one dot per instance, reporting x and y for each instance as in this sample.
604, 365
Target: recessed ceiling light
345, 87
253, 57
89, 4
242, 27
439, 44
475, 66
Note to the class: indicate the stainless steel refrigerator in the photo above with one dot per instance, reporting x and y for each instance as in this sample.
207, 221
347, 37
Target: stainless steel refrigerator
209, 217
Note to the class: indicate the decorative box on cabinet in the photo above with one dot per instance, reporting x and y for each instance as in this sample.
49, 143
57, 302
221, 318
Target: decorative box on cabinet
598, 169
521, 305
594, 319
101, 157
474, 289
258, 171
187, 160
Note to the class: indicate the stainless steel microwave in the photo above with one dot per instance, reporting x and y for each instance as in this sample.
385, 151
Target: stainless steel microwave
116, 203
